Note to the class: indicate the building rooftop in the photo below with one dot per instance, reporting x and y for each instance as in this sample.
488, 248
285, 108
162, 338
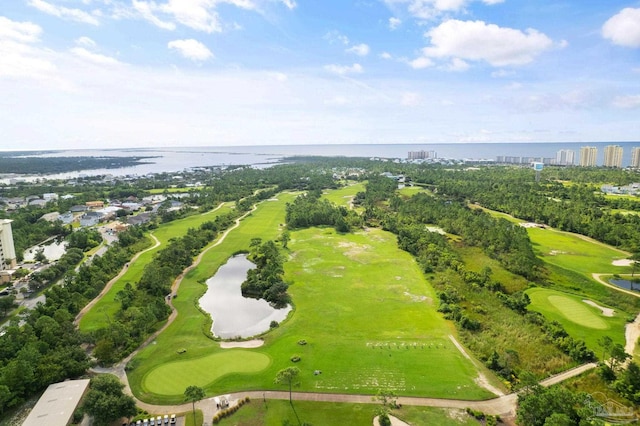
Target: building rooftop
57, 404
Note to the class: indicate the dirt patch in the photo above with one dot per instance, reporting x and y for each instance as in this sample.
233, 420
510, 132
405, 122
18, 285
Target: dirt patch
556, 252
607, 312
622, 262
256, 343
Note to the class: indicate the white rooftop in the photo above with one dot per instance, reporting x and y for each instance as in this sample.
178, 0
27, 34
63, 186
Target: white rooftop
57, 404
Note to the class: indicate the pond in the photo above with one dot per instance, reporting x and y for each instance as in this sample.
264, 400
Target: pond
628, 284
233, 314
53, 250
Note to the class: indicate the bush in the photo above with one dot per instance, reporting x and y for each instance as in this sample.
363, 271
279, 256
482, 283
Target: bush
295, 358
384, 420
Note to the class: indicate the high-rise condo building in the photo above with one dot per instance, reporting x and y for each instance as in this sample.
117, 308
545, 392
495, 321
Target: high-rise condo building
7, 250
588, 156
565, 157
635, 157
613, 156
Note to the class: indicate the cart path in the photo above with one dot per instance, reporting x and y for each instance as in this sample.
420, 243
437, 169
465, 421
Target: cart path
504, 405
113, 280
119, 368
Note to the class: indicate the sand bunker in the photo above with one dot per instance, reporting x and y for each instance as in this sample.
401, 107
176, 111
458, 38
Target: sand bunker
607, 312
622, 262
256, 343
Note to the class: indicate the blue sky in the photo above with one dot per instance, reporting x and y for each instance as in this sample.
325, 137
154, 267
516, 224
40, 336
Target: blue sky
136, 73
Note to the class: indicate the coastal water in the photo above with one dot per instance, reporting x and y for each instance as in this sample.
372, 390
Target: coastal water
233, 314
180, 158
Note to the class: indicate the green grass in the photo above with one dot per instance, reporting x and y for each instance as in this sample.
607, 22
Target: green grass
362, 305
106, 308
274, 413
173, 378
576, 253
410, 191
579, 319
343, 196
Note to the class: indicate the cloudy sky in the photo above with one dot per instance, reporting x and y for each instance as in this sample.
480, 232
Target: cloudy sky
137, 73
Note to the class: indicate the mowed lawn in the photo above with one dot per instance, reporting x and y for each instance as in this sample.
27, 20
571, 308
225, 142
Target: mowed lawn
576, 253
343, 196
362, 305
275, 413
98, 317
579, 319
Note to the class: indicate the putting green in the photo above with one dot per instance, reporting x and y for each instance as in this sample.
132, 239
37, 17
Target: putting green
576, 312
175, 377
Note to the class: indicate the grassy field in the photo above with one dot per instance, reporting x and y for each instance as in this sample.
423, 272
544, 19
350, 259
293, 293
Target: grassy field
579, 319
107, 307
362, 305
274, 413
343, 196
576, 253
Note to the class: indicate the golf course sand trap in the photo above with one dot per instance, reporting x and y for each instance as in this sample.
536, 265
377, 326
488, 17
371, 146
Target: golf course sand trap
255, 343
632, 334
622, 262
607, 312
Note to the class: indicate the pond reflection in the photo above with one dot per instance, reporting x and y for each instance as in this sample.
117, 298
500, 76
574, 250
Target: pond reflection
234, 315
628, 284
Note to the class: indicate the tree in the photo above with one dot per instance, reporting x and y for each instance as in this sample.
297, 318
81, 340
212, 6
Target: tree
106, 401
635, 260
39, 256
286, 236
288, 376
7, 303
193, 394
605, 342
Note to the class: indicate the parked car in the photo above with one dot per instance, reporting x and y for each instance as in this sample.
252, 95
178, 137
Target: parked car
173, 419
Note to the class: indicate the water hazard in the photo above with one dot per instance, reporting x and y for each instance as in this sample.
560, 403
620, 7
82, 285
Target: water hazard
234, 315
628, 284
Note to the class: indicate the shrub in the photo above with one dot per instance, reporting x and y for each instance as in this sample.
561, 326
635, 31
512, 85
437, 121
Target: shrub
295, 358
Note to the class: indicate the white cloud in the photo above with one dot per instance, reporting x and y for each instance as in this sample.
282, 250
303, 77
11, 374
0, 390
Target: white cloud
96, 58
627, 102
198, 14
430, 9
386, 55
191, 49
291, 4
146, 9
478, 41
420, 63
334, 36
344, 69
458, 64
359, 49
64, 12
85, 41
623, 28
394, 23
26, 32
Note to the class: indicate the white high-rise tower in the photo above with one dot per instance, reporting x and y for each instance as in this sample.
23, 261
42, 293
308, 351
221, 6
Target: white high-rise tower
7, 250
